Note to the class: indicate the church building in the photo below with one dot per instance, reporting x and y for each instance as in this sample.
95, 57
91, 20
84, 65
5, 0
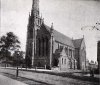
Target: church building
48, 48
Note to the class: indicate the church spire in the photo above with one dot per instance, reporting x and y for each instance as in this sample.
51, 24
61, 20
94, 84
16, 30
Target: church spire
35, 4
33, 25
35, 7
35, 17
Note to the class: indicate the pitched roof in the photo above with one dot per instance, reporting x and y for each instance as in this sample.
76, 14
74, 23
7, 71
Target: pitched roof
77, 42
60, 37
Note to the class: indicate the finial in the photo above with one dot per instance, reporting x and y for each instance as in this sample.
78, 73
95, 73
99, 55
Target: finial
51, 28
41, 15
29, 13
43, 20
52, 25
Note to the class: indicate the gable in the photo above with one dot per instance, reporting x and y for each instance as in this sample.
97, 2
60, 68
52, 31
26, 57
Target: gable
43, 32
63, 53
77, 42
83, 45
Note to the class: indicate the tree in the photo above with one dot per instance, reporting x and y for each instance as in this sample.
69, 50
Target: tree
8, 43
18, 58
92, 27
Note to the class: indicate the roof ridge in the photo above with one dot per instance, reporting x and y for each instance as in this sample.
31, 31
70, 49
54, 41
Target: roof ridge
58, 32
60, 37
63, 34
79, 39
77, 42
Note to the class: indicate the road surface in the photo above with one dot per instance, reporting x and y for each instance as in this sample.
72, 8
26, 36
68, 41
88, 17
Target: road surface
8, 81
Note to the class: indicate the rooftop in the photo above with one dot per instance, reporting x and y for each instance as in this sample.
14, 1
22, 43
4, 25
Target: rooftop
60, 37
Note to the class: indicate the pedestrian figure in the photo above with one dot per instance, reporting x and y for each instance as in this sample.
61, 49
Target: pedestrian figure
91, 73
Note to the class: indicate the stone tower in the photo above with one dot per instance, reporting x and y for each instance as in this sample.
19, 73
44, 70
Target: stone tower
33, 25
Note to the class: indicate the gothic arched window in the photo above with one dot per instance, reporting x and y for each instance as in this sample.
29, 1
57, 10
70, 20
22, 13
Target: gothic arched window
43, 46
62, 60
66, 50
65, 61
39, 47
46, 46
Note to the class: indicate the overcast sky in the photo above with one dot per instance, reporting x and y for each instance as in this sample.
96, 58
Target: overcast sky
68, 17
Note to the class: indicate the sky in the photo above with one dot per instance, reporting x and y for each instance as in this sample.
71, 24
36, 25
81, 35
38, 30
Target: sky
68, 17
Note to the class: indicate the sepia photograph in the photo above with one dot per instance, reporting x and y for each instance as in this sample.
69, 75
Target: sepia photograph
49, 42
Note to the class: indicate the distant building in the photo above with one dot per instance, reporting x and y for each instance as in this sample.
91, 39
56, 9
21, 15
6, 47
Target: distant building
93, 65
98, 54
49, 48
87, 64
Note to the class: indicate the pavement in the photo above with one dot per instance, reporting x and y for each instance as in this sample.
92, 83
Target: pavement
87, 75
49, 79
45, 70
8, 81
75, 72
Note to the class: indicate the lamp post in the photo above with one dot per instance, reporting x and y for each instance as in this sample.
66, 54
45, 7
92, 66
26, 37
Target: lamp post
17, 55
